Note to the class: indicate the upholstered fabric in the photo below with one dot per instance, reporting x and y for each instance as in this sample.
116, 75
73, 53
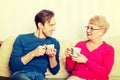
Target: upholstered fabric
115, 42
62, 72
5, 51
6, 48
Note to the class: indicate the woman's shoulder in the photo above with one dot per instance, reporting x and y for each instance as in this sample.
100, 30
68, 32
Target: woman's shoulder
107, 44
108, 47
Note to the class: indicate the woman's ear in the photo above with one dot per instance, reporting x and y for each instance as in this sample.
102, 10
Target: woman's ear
40, 25
102, 32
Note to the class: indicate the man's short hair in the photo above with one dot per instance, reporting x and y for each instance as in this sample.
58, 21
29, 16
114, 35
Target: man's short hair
43, 16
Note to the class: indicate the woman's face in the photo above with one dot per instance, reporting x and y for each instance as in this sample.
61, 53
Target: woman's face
94, 32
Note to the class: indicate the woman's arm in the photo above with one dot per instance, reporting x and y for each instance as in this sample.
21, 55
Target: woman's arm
103, 69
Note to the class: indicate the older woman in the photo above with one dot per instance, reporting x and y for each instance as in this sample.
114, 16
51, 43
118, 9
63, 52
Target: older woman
96, 58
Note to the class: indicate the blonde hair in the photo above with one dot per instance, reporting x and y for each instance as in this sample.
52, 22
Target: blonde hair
100, 21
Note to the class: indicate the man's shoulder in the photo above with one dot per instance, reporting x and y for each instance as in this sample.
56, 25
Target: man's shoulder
25, 35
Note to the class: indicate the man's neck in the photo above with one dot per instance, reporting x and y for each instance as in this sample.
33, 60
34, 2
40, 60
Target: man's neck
39, 34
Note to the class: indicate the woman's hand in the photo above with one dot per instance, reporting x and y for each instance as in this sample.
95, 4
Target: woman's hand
68, 52
80, 59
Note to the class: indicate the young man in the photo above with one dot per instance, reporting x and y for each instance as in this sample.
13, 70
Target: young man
30, 56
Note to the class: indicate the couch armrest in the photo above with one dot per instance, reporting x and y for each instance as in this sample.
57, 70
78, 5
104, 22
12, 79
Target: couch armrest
1, 43
4, 78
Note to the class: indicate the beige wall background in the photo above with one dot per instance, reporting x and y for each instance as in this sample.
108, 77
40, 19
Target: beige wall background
17, 16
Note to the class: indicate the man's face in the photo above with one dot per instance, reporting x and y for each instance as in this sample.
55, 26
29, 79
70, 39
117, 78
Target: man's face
49, 27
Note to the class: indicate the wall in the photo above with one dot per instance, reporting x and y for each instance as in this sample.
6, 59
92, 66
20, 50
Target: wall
17, 16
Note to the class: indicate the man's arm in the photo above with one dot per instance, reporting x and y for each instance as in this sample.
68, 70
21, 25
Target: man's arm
52, 61
54, 58
39, 51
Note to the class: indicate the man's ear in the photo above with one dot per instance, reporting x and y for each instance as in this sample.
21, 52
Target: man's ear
40, 25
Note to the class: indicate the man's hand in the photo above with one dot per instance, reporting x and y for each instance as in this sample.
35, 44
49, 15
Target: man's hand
51, 52
39, 51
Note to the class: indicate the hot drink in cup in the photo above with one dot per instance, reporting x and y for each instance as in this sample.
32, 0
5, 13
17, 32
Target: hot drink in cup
50, 46
75, 51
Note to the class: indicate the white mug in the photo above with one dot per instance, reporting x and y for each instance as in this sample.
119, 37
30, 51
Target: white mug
75, 51
50, 46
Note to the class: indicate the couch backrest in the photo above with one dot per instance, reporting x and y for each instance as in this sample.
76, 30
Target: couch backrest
115, 42
6, 49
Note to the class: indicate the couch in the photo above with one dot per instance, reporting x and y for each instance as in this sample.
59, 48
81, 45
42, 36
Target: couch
6, 48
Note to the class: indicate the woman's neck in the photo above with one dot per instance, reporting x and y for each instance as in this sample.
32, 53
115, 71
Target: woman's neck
95, 41
91, 45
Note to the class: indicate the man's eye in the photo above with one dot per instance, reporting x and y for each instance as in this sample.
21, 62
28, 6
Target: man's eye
52, 24
92, 28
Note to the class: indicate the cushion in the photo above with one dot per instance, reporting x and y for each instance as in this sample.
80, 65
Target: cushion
62, 72
5, 51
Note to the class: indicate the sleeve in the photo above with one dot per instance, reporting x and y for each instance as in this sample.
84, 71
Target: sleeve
104, 69
15, 60
57, 67
69, 64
